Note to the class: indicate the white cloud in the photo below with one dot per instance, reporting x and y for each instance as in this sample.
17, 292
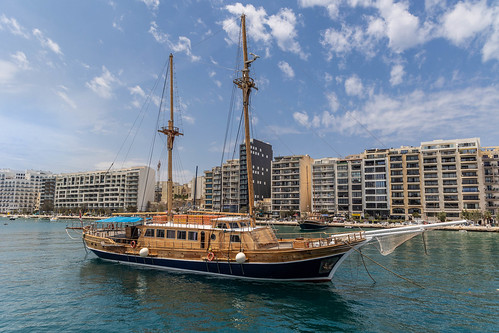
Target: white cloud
8, 71
342, 42
396, 74
453, 114
286, 69
332, 101
137, 90
283, 30
465, 21
47, 42
183, 44
13, 26
353, 86
151, 4
218, 83
301, 118
255, 23
102, 85
66, 99
21, 60
332, 6
402, 28
328, 77
491, 47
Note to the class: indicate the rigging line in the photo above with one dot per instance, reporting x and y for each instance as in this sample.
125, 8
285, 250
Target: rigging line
236, 144
232, 98
388, 270
154, 137
141, 111
232, 21
148, 101
363, 262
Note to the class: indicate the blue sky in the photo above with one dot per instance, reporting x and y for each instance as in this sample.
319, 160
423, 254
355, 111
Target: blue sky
334, 78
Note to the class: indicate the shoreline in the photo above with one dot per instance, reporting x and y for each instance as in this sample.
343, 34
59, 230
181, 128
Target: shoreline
346, 225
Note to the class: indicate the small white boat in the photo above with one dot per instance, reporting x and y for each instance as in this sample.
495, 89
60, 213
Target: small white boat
54, 218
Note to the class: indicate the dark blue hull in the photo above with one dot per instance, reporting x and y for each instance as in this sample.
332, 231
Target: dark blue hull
313, 226
317, 269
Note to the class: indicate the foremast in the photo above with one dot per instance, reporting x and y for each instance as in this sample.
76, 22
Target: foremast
171, 132
246, 83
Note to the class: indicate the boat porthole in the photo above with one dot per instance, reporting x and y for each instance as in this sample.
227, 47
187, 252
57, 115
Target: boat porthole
213, 236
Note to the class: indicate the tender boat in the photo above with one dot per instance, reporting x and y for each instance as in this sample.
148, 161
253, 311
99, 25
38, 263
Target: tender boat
313, 224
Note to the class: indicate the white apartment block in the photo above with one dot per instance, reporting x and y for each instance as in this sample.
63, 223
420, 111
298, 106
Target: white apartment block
349, 185
20, 190
230, 186
453, 177
292, 184
323, 185
115, 190
221, 187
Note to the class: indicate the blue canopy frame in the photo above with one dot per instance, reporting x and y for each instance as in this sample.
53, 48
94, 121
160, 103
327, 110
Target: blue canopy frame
121, 219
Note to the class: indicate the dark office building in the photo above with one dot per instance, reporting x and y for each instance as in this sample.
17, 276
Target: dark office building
262, 161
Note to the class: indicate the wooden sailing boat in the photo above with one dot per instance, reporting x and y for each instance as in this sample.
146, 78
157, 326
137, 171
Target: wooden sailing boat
228, 246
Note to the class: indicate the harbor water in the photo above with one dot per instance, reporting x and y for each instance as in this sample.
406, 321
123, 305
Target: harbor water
50, 284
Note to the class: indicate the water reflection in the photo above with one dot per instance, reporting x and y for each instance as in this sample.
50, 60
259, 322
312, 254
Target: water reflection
194, 302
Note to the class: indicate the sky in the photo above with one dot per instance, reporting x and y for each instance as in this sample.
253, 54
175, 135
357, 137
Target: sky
81, 81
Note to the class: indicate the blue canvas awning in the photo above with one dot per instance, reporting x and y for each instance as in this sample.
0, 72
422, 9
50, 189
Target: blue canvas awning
121, 219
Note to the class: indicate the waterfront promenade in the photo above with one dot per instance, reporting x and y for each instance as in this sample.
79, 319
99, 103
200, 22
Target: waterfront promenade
347, 224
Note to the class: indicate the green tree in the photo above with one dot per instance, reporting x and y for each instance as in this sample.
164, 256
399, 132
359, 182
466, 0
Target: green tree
442, 216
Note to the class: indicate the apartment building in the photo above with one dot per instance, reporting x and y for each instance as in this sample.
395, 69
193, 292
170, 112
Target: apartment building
323, 185
292, 184
349, 185
405, 179
230, 186
375, 170
453, 178
261, 159
490, 164
122, 189
207, 188
20, 191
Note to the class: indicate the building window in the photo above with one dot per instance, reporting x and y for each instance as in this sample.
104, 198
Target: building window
193, 236
181, 234
170, 234
160, 233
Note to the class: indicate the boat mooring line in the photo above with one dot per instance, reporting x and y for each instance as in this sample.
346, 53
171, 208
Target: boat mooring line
385, 268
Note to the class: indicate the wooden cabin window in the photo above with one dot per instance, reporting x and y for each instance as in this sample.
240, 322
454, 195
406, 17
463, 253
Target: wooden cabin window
235, 239
234, 225
192, 236
181, 234
160, 233
170, 234
149, 233
222, 225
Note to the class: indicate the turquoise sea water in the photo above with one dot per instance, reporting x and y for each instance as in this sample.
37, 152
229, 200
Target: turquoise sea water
49, 284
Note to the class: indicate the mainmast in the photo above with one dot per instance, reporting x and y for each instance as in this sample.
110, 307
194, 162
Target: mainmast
245, 83
171, 132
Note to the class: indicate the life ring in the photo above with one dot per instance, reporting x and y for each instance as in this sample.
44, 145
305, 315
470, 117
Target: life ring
211, 256
133, 244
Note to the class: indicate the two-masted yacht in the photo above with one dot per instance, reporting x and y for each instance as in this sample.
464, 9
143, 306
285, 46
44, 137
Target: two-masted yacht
222, 245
